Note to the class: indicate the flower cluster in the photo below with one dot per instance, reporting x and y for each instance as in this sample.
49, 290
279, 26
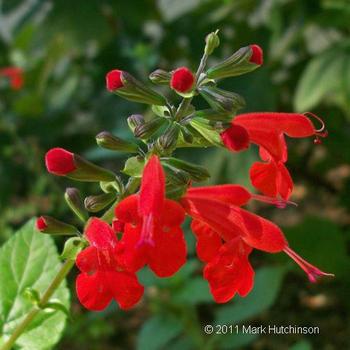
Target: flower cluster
141, 225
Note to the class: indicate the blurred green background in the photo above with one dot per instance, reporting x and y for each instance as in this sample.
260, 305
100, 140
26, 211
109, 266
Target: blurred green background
65, 49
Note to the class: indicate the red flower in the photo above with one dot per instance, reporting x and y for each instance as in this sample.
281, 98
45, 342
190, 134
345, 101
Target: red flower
257, 55
267, 130
182, 80
152, 232
59, 161
114, 80
226, 234
15, 75
40, 223
103, 277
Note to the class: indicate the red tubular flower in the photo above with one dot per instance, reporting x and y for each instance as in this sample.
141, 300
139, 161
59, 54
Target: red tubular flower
267, 130
152, 232
257, 55
59, 161
182, 80
113, 80
103, 277
15, 75
226, 234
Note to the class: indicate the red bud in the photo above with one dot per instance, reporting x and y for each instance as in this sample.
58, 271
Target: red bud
113, 80
59, 161
40, 223
257, 55
182, 80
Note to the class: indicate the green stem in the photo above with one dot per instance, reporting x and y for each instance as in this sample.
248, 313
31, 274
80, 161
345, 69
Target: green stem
61, 274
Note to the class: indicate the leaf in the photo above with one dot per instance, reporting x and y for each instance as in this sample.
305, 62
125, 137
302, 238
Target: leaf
134, 167
157, 331
301, 345
234, 341
194, 291
322, 243
320, 79
267, 284
30, 260
172, 9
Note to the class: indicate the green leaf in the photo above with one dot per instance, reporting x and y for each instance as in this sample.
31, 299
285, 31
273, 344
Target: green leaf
203, 127
30, 260
157, 331
234, 341
194, 291
321, 79
301, 345
316, 238
267, 284
134, 167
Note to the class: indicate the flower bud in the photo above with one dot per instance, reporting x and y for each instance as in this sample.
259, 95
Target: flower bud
107, 140
212, 41
125, 85
195, 172
214, 115
169, 139
160, 77
222, 100
182, 80
15, 76
48, 224
99, 202
64, 163
186, 135
146, 130
135, 120
74, 201
245, 60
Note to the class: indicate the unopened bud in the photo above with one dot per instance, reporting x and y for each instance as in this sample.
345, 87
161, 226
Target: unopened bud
74, 201
169, 139
50, 225
222, 100
160, 77
214, 115
135, 120
107, 140
245, 60
195, 172
186, 134
64, 163
99, 202
125, 85
146, 130
212, 41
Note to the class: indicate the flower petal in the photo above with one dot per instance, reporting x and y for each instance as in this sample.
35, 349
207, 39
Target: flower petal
152, 191
264, 177
235, 138
92, 291
292, 124
125, 287
87, 260
168, 253
231, 194
208, 241
173, 214
100, 234
127, 210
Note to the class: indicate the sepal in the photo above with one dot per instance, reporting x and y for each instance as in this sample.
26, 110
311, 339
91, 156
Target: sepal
109, 141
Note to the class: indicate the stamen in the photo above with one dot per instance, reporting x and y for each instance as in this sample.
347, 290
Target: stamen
312, 271
278, 202
323, 126
147, 232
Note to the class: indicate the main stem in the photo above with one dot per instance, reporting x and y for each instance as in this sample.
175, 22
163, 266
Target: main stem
61, 274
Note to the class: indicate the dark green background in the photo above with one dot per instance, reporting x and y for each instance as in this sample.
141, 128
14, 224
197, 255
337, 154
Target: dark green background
65, 49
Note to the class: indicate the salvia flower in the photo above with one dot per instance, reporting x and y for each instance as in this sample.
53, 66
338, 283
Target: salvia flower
182, 80
268, 130
15, 75
64, 163
103, 277
125, 85
226, 235
152, 233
